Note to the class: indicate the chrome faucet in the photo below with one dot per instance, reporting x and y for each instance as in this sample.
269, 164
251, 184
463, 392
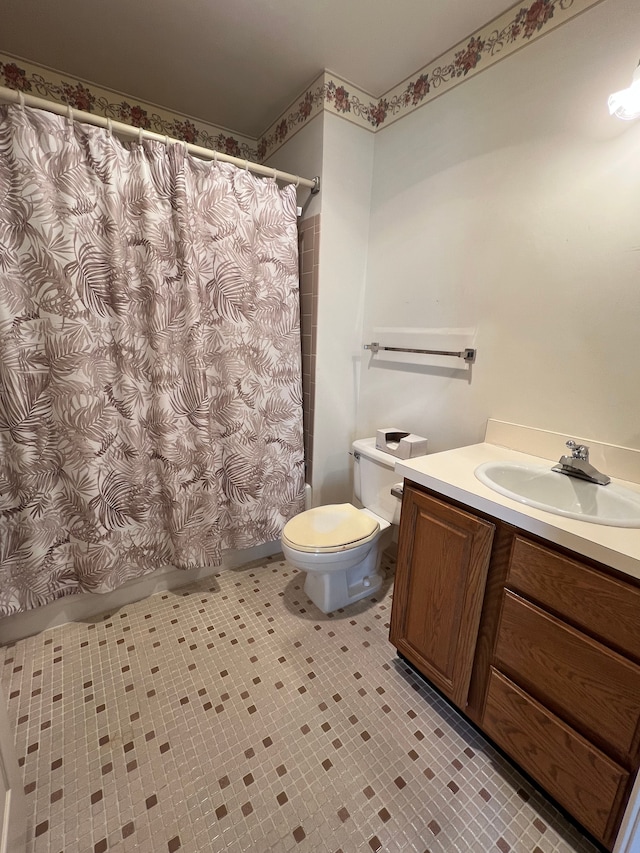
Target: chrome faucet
577, 465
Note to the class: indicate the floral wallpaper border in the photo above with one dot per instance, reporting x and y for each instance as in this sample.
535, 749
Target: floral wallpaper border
517, 27
16, 73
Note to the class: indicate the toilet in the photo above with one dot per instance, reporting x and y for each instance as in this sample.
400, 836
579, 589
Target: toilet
340, 546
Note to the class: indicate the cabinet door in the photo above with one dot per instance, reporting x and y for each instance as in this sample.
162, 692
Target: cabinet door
443, 558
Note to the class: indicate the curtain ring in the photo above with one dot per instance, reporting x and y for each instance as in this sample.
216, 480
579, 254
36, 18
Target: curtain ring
110, 127
69, 114
246, 165
166, 142
139, 136
215, 158
275, 174
297, 181
21, 99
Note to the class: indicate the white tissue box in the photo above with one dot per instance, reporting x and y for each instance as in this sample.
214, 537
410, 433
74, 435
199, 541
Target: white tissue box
403, 445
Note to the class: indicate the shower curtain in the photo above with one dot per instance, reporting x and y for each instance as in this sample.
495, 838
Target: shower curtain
150, 381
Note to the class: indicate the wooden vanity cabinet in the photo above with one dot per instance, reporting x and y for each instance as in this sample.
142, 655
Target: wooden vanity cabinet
540, 648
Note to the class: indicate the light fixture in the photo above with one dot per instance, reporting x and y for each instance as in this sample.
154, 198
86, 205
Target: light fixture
626, 104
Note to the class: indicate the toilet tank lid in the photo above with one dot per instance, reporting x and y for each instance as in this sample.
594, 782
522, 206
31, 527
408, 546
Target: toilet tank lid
367, 447
329, 528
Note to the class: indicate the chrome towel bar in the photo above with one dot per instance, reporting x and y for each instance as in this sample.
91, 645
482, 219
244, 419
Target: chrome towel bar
468, 354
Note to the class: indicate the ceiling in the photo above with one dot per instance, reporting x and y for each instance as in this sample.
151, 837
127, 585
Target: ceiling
237, 64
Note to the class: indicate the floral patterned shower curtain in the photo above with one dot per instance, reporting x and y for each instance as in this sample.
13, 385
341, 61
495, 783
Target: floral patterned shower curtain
150, 390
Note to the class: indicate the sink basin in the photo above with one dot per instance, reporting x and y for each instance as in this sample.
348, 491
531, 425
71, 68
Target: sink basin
545, 489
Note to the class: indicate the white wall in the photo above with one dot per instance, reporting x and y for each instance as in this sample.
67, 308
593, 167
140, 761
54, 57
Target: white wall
512, 205
346, 199
302, 155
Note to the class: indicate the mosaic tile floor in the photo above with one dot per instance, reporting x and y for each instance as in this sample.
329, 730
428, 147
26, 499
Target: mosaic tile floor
232, 715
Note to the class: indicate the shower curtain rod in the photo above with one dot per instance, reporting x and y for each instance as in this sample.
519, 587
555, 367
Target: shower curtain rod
12, 96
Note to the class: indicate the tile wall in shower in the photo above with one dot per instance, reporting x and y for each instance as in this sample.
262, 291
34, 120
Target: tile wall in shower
309, 246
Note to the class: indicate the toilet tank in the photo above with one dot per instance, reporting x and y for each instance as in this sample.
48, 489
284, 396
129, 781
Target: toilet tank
373, 477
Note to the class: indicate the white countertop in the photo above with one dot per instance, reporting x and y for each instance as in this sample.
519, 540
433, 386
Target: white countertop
451, 474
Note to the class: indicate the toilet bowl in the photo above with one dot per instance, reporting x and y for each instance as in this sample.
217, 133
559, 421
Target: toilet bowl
340, 546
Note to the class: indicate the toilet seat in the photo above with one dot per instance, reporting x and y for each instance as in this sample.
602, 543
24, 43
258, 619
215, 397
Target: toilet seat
329, 529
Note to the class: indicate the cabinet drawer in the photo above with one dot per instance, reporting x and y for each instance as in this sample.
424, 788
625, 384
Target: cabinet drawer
581, 778
606, 607
594, 689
